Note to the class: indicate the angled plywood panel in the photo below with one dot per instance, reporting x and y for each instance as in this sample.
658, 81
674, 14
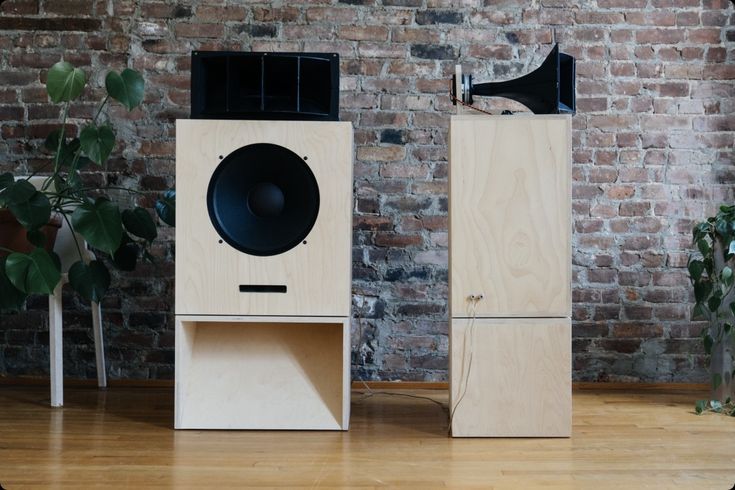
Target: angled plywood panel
262, 373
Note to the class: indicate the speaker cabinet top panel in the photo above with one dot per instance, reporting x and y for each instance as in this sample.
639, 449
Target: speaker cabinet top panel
275, 86
264, 223
510, 215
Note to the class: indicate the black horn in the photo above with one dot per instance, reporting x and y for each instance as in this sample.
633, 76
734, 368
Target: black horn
550, 89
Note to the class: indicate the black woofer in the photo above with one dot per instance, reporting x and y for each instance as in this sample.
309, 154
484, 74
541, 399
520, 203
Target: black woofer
263, 199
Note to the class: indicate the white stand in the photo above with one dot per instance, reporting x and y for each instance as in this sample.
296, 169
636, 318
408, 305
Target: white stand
56, 345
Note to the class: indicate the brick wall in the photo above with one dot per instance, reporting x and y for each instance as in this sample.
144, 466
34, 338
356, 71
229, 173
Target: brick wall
653, 146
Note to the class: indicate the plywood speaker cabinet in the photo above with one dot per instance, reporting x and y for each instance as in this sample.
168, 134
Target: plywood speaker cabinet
263, 274
510, 275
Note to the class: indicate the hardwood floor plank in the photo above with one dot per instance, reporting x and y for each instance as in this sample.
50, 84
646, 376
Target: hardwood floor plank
123, 438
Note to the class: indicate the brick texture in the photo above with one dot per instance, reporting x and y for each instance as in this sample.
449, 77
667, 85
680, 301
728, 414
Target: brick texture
653, 152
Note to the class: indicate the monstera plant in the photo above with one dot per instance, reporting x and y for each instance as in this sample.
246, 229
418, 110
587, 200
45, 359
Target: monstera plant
33, 207
711, 274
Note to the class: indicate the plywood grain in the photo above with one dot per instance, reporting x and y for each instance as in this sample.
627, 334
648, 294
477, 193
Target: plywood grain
510, 215
511, 377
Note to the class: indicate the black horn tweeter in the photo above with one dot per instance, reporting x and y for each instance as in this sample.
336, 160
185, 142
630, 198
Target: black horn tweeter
550, 89
263, 199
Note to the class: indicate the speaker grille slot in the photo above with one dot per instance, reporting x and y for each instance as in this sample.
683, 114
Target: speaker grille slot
253, 288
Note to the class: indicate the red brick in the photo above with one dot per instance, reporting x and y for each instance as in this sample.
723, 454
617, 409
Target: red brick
199, 30
19, 7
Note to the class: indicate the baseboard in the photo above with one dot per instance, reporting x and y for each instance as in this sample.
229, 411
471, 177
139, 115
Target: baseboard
82, 383
620, 386
356, 385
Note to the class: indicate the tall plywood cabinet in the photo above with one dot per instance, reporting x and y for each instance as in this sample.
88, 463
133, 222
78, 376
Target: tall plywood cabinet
510, 268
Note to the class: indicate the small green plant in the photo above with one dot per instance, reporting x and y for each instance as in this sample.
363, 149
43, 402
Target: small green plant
123, 234
727, 407
711, 274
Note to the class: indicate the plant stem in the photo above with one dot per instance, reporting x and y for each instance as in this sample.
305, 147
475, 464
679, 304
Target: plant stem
99, 111
61, 142
111, 187
74, 236
33, 174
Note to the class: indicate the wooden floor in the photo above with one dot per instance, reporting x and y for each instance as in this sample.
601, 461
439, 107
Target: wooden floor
123, 438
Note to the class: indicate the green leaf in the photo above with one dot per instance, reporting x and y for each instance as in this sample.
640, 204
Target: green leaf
708, 343
64, 82
703, 247
700, 406
91, 280
36, 237
148, 257
714, 303
726, 276
126, 257
716, 380
68, 150
699, 312
33, 213
696, 267
702, 290
721, 226
97, 142
11, 298
16, 193
732, 308
709, 265
99, 223
35, 272
699, 231
139, 222
166, 207
6, 179
126, 87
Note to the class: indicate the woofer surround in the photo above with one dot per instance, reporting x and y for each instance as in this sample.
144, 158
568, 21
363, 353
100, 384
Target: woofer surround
263, 199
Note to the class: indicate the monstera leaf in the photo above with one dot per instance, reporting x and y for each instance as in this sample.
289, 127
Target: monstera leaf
126, 87
90, 280
99, 223
138, 222
36, 272
11, 298
64, 82
166, 207
97, 142
32, 213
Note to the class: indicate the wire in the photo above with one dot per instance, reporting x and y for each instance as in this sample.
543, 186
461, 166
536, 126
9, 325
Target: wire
464, 104
466, 378
371, 393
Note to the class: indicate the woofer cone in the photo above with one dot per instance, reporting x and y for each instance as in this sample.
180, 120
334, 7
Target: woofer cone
263, 199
